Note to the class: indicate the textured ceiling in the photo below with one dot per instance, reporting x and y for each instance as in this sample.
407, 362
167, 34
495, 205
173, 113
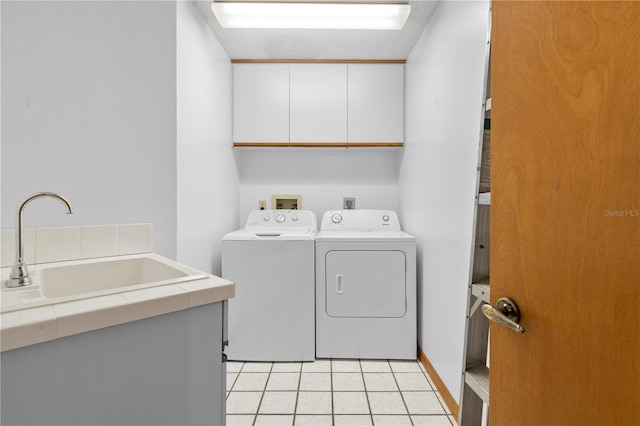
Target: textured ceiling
322, 44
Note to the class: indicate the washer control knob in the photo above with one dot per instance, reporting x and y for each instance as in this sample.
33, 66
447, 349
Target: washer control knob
294, 218
336, 218
280, 218
385, 218
266, 218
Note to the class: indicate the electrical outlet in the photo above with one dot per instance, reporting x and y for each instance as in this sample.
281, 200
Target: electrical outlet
262, 205
349, 203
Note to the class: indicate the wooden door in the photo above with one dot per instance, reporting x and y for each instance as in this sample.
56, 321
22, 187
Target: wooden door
565, 222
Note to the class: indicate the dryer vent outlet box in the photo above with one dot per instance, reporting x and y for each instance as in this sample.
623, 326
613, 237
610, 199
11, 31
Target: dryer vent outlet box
286, 202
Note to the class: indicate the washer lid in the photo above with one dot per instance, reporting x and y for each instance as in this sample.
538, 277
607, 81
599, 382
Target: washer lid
267, 235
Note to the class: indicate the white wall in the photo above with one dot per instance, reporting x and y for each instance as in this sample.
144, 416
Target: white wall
323, 176
444, 80
207, 174
89, 111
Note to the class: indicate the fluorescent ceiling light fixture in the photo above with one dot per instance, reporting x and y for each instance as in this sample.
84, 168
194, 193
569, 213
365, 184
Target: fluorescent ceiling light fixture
353, 16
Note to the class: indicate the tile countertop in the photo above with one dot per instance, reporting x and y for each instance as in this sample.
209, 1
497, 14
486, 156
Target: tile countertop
41, 319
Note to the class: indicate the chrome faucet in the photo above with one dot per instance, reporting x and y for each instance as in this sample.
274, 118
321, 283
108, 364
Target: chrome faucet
19, 273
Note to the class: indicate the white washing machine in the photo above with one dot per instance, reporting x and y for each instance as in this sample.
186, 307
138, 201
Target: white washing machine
365, 286
271, 261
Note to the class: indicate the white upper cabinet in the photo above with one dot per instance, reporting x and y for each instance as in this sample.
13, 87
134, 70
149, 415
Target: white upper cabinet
318, 103
376, 103
261, 103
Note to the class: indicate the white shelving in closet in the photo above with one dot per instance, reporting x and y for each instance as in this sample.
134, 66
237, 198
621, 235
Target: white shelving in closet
474, 395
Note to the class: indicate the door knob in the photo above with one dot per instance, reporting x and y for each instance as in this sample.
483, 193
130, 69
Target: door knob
505, 313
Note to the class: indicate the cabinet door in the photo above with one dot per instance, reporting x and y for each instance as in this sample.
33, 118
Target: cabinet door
261, 103
318, 102
376, 102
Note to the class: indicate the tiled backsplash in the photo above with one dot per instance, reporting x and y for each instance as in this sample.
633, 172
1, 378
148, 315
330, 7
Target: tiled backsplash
42, 245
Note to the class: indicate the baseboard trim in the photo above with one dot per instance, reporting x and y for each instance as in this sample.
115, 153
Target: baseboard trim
440, 386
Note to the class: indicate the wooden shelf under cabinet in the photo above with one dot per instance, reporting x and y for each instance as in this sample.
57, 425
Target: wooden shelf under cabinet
318, 144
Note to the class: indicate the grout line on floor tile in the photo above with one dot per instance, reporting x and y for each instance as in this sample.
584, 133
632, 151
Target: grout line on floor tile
366, 393
333, 419
295, 407
406, 407
264, 389
441, 401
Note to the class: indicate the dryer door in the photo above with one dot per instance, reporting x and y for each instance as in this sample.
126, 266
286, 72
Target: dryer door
365, 284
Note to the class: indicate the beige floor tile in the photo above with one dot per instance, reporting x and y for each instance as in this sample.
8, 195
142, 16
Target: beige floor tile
375, 366
315, 382
286, 367
243, 402
274, 420
231, 378
431, 382
314, 420
250, 382
391, 420
345, 366
380, 382
352, 420
317, 366
350, 403
314, 403
347, 382
422, 403
283, 381
234, 366
386, 403
240, 420
278, 403
444, 404
412, 382
405, 367
453, 421
257, 367
431, 420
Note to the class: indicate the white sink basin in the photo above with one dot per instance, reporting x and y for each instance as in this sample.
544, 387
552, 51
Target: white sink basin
70, 280
73, 280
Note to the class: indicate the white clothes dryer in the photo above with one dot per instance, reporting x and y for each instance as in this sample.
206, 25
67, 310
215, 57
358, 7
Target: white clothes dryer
365, 286
271, 262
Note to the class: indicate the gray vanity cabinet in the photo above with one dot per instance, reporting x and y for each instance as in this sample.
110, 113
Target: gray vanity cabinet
164, 370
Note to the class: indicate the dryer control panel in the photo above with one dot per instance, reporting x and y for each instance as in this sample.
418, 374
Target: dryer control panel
360, 220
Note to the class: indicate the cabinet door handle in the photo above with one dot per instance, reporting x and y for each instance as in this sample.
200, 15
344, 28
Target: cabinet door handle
505, 313
339, 283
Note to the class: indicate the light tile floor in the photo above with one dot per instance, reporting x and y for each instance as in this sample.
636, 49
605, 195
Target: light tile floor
333, 392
